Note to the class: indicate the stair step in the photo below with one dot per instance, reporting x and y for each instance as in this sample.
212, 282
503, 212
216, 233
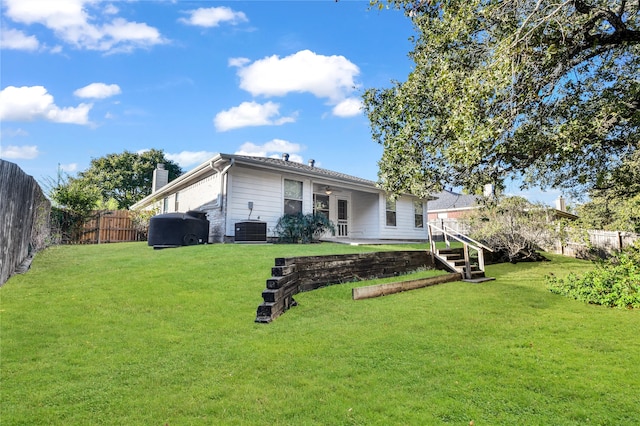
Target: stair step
452, 256
448, 251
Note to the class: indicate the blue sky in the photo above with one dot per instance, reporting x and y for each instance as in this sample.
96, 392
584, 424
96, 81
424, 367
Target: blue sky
80, 79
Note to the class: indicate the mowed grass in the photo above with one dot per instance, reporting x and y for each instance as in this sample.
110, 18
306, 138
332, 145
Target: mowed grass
123, 334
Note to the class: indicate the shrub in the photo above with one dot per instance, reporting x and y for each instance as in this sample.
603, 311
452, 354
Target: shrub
513, 227
303, 228
615, 282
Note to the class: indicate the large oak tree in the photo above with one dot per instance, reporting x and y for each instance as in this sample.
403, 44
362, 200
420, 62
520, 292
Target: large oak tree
126, 177
544, 91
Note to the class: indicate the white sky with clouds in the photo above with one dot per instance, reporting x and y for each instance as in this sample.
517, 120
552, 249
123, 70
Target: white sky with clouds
84, 78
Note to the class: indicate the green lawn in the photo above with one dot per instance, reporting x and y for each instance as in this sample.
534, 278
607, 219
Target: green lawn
122, 334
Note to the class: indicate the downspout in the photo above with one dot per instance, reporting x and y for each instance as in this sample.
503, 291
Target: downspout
223, 180
222, 175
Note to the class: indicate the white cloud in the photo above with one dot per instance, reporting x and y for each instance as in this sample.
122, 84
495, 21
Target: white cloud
13, 133
250, 114
69, 168
274, 148
25, 152
35, 103
238, 62
17, 40
72, 22
111, 9
98, 91
213, 16
122, 32
188, 158
330, 77
348, 108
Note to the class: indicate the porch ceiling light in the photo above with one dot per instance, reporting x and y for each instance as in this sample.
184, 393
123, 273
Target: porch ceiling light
327, 190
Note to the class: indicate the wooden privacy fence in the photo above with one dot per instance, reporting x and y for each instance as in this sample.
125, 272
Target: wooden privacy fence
24, 219
112, 226
600, 244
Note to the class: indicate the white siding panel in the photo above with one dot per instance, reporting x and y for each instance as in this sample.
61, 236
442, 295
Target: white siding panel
405, 221
365, 221
202, 195
263, 189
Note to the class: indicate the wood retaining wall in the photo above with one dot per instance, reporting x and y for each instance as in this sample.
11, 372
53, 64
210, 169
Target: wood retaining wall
293, 275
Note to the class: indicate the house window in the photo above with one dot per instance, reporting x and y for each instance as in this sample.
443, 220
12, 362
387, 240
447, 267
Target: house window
165, 205
418, 214
176, 203
292, 196
391, 212
321, 204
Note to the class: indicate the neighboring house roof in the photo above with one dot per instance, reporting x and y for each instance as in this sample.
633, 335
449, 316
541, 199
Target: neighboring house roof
563, 214
449, 200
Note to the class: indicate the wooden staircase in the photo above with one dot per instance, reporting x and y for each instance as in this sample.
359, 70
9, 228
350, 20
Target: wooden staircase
461, 260
453, 259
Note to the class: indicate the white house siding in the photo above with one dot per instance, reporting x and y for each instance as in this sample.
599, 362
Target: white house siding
262, 188
405, 221
266, 190
365, 220
202, 195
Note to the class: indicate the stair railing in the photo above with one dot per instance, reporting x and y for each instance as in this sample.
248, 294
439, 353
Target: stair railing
466, 241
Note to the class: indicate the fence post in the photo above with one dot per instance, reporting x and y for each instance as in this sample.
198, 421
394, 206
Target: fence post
619, 235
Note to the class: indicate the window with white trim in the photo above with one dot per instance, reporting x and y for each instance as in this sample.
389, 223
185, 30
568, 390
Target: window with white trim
418, 214
391, 212
292, 196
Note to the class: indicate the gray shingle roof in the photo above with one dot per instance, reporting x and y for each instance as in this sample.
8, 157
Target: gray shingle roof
447, 200
299, 167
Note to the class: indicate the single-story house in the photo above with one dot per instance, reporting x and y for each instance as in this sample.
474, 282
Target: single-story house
447, 207
235, 189
451, 205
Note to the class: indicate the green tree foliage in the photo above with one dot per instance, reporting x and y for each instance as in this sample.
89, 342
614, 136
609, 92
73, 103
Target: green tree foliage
614, 282
127, 177
544, 90
612, 214
74, 202
76, 196
513, 227
303, 228
615, 206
